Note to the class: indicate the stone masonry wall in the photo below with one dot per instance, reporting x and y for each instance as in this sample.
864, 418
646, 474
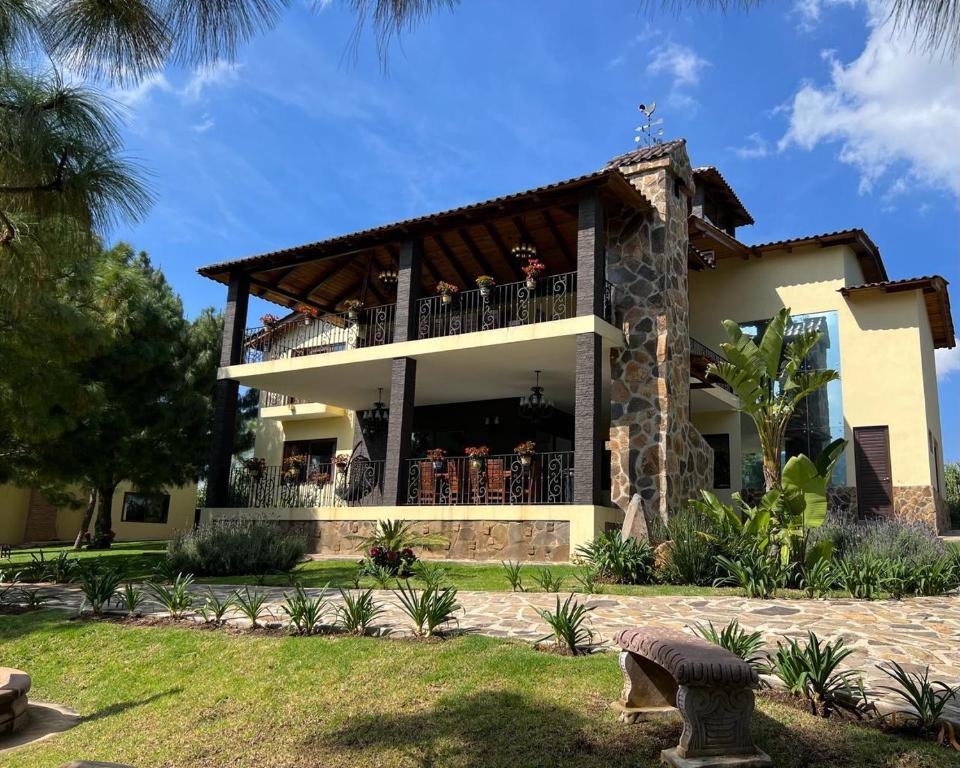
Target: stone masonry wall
655, 449
920, 504
537, 540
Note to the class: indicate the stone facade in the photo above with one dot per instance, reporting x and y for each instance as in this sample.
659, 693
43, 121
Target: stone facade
920, 504
655, 449
537, 540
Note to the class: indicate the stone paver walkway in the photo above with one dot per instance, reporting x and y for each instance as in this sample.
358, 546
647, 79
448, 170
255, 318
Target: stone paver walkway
917, 632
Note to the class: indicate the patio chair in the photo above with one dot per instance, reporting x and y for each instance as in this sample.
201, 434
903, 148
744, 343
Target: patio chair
497, 478
428, 483
454, 486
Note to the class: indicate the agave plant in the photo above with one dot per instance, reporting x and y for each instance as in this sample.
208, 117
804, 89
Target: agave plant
924, 700
357, 613
131, 597
429, 609
569, 625
431, 574
548, 580
98, 585
215, 609
175, 598
813, 670
251, 604
305, 612
513, 573
747, 645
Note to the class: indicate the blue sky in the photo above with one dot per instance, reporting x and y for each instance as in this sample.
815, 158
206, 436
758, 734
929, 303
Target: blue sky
818, 116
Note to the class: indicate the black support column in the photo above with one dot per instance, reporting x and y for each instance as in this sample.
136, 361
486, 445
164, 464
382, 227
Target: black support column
588, 419
225, 399
591, 255
408, 291
403, 385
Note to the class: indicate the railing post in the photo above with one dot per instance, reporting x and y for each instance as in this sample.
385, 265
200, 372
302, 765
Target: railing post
408, 291
587, 419
225, 399
403, 384
591, 255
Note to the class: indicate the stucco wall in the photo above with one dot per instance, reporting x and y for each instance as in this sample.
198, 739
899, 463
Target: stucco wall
14, 502
272, 433
886, 351
723, 423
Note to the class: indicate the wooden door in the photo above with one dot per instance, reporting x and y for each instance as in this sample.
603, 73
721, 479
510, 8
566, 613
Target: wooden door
871, 447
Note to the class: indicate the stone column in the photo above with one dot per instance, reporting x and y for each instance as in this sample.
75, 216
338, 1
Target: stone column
225, 399
403, 385
588, 420
408, 291
591, 259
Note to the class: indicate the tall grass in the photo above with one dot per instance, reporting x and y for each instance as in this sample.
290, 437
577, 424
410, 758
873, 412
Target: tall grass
235, 548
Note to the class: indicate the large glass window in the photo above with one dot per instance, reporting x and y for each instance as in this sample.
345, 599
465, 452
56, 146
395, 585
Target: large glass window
818, 419
145, 507
721, 459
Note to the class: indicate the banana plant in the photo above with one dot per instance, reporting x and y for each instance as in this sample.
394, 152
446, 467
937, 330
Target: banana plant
769, 378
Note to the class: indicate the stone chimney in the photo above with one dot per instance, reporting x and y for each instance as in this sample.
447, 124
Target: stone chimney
655, 450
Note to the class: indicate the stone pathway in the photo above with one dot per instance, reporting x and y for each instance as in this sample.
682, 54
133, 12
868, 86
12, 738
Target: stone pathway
918, 632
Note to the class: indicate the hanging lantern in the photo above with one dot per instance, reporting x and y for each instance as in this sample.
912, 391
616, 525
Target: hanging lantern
524, 251
535, 407
374, 421
389, 276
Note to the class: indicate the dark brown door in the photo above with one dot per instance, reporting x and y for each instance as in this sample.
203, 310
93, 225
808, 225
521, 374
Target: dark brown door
871, 447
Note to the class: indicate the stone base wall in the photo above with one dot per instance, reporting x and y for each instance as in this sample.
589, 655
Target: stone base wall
537, 540
920, 504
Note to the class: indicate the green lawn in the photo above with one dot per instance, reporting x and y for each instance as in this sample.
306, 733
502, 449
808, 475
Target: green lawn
174, 697
136, 558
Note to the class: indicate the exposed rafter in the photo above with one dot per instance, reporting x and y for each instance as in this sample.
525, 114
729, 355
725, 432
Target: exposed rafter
475, 252
498, 243
568, 255
454, 261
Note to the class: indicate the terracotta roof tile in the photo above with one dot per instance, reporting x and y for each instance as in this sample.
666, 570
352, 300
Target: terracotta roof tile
644, 154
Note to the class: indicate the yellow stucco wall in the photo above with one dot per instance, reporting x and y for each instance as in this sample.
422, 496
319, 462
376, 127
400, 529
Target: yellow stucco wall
272, 433
15, 502
886, 352
723, 423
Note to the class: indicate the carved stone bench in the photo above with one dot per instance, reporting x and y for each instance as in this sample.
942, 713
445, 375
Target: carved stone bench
667, 672
14, 686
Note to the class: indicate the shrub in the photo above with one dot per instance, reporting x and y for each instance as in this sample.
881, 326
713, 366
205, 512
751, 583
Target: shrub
175, 599
755, 571
863, 576
399, 563
251, 605
813, 671
569, 625
747, 645
235, 548
924, 699
588, 578
512, 570
548, 581
887, 540
215, 609
691, 554
382, 576
305, 612
951, 491
624, 561
98, 585
62, 569
394, 541
429, 609
934, 577
357, 613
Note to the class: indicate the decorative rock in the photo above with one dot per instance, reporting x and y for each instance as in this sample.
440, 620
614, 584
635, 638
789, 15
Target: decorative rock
635, 521
14, 686
665, 671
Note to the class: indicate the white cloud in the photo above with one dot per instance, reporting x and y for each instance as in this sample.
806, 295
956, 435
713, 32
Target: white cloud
218, 74
756, 147
948, 362
200, 80
890, 110
683, 66
205, 124
810, 12
133, 97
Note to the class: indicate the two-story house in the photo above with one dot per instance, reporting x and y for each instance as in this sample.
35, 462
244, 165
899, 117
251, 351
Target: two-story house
387, 394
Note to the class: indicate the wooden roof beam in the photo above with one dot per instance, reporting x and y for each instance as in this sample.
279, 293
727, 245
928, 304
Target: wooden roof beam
494, 235
558, 239
454, 261
475, 252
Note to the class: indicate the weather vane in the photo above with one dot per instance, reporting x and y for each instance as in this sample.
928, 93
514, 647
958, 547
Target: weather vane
648, 133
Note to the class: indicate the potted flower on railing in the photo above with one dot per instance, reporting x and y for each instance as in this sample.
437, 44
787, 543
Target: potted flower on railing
447, 291
268, 321
308, 312
293, 466
353, 307
477, 455
318, 478
533, 269
438, 457
341, 462
525, 451
254, 467
485, 283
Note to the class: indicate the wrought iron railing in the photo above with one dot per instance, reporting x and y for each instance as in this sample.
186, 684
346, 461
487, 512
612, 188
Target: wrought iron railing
704, 353
501, 479
371, 327
551, 298
357, 484
271, 399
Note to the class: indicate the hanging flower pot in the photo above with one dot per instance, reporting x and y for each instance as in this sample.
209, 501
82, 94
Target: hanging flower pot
308, 312
353, 307
485, 283
447, 291
477, 455
525, 452
438, 457
255, 467
533, 270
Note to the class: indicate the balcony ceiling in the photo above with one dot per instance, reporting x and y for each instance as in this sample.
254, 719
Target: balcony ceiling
458, 246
